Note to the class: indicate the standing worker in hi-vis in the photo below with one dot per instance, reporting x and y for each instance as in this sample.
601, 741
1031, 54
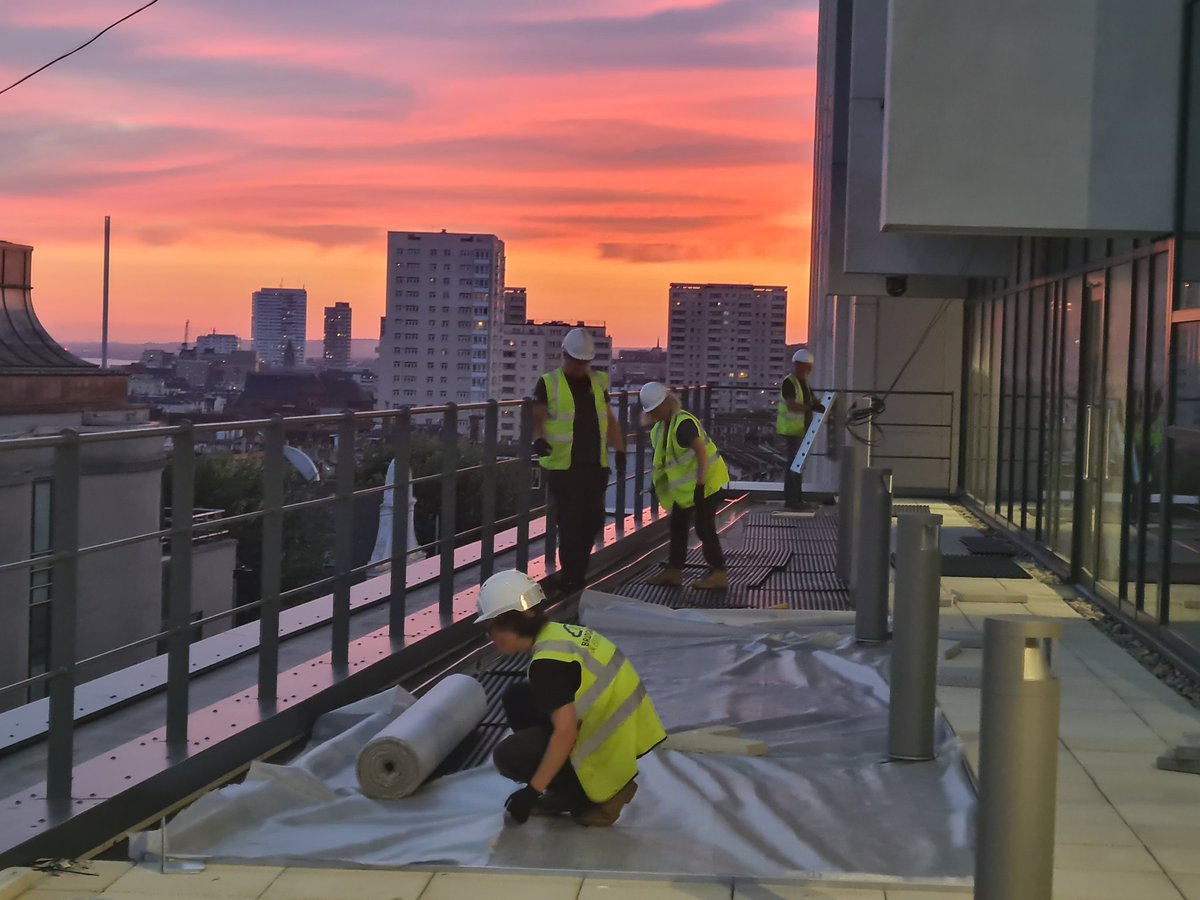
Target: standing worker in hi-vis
572, 428
689, 474
579, 721
797, 403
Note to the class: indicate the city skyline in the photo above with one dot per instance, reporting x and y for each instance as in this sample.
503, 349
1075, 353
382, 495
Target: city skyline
647, 142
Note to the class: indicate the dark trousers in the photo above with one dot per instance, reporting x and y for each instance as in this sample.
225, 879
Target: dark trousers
519, 755
578, 495
704, 514
793, 482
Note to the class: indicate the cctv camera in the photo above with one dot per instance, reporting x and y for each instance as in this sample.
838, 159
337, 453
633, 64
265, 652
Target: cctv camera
896, 285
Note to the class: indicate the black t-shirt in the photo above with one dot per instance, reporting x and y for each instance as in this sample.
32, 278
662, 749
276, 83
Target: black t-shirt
585, 441
789, 390
554, 683
686, 434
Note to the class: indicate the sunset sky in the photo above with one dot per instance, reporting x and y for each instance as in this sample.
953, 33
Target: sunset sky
615, 146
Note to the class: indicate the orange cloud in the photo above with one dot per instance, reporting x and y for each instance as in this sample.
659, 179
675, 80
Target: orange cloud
615, 146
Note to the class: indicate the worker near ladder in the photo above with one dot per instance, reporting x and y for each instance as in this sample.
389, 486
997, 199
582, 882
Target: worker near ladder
688, 476
580, 720
572, 428
797, 403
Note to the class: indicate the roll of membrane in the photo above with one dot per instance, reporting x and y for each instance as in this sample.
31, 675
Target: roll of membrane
398, 760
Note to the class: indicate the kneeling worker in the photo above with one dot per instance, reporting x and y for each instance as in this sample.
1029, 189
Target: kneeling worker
688, 476
579, 722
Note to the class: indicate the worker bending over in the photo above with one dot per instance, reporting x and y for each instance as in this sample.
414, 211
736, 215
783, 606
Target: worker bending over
797, 403
572, 428
688, 474
581, 719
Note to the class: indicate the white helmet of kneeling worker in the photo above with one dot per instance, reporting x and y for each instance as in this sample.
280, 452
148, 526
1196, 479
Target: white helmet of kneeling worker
652, 395
509, 591
579, 344
803, 355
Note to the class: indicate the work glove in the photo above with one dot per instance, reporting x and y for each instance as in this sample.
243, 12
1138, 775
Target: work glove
542, 447
819, 407
520, 804
621, 462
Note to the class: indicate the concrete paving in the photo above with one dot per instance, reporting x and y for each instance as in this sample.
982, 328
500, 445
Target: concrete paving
1125, 829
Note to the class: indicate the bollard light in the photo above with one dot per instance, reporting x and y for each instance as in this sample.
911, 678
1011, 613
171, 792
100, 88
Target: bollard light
1018, 759
915, 636
873, 531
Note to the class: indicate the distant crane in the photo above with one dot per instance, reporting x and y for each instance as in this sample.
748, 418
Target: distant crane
187, 328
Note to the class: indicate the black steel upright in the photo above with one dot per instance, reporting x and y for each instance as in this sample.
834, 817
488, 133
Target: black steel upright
449, 519
343, 540
272, 561
487, 531
179, 589
401, 450
524, 483
60, 755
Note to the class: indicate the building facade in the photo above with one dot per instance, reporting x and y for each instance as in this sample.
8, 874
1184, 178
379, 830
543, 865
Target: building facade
1031, 223
337, 336
730, 336
118, 490
516, 305
278, 321
220, 344
528, 350
633, 367
444, 302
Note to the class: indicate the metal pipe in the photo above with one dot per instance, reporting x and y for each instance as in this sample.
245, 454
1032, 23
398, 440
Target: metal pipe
873, 538
639, 476
64, 524
398, 574
619, 498
525, 484
449, 509
849, 465
272, 561
915, 632
343, 541
487, 533
1018, 759
104, 301
179, 597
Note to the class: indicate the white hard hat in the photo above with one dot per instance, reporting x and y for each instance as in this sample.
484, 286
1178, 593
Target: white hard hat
579, 344
652, 395
803, 355
509, 591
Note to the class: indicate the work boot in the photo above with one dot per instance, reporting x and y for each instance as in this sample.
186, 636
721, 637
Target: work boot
713, 581
605, 814
668, 577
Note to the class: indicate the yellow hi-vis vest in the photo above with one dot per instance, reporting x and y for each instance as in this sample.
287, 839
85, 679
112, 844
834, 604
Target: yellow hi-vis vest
617, 721
559, 428
675, 470
786, 421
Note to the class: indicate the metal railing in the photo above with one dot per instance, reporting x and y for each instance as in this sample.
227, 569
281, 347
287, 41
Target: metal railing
919, 426
68, 447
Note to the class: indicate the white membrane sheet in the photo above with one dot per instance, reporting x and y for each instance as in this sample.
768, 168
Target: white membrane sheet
823, 801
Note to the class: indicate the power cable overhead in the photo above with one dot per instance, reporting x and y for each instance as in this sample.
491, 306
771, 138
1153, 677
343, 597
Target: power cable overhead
90, 40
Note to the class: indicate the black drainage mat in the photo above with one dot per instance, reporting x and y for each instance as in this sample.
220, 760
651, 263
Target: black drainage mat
988, 546
774, 558
898, 508
981, 567
475, 750
803, 561
742, 598
829, 601
808, 548
803, 581
736, 575
770, 520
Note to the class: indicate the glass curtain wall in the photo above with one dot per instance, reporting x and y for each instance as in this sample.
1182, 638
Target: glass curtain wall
1070, 422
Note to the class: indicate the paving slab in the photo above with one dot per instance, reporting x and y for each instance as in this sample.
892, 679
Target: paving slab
499, 886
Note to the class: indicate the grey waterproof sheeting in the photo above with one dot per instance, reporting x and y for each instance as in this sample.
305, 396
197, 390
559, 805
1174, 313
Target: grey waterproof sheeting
397, 761
823, 801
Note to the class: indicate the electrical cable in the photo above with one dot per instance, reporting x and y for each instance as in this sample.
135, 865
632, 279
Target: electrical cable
91, 40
